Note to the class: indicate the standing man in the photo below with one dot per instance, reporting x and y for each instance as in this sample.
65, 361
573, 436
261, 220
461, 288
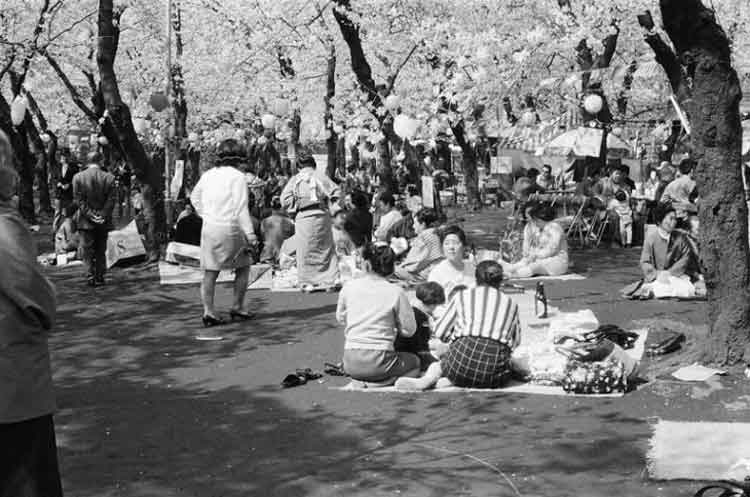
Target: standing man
64, 189
28, 451
94, 191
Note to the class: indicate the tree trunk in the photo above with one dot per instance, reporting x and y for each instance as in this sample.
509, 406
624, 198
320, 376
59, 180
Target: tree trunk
40, 165
716, 139
23, 160
178, 80
469, 163
354, 153
331, 138
295, 124
120, 117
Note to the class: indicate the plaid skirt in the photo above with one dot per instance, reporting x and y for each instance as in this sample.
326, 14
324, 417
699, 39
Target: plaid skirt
475, 362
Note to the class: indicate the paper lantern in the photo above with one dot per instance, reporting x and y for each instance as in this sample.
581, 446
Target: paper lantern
338, 129
268, 121
405, 127
158, 101
262, 141
193, 137
617, 131
281, 107
392, 102
528, 118
140, 125
18, 110
593, 103
45, 137
102, 140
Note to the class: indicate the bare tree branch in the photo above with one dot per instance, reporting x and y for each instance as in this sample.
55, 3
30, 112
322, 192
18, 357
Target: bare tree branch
77, 99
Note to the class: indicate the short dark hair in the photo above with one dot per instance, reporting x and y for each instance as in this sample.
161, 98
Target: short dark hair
360, 200
427, 216
276, 203
489, 273
661, 211
453, 230
532, 173
387, 199
381, 258
430, 293
621, 196
547, 166
542, 211
686, 166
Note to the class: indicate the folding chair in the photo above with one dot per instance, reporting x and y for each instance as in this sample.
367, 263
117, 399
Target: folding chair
598, 227
579, 227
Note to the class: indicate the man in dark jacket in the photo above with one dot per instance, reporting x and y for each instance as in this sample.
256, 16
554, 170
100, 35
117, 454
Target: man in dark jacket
64, 189
94, 191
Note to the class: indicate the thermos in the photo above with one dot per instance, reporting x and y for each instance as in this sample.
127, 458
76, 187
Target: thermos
540, 301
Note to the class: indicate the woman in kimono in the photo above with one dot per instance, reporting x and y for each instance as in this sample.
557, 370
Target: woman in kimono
307, 195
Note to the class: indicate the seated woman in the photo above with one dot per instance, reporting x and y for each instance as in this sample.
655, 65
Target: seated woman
375, 312
483, 329
454, 271
545, 246
66, 237
425, 251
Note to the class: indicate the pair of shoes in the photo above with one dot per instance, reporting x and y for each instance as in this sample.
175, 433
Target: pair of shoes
300, 377
209, 321
238, 315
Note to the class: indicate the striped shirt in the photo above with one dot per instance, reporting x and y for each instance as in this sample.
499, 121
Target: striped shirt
481, 312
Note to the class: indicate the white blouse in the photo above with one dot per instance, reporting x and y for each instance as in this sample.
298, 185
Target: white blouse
220, 198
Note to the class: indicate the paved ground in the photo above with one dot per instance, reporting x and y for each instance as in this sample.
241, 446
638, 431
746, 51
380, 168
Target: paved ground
146, 410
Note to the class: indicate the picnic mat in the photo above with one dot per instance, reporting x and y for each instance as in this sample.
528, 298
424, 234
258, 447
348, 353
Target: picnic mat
177, 274
699, 451
563, 277
529, 335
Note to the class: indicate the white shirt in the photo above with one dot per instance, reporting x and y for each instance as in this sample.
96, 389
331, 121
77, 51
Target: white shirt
446, 275
220, 198
387, 221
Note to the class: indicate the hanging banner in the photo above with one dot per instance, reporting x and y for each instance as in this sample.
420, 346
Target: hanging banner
428, 192
179, 172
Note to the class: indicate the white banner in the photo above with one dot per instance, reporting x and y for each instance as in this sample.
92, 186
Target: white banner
179, 172
428, 192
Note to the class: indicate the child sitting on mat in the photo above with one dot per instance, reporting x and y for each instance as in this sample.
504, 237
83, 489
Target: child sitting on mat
483, 329
375, 312
429, 296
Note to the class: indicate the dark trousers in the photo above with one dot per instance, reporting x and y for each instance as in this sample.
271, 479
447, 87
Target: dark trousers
93, 251
28, 459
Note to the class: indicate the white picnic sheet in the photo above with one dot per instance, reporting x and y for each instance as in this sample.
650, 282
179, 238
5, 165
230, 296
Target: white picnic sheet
177, 274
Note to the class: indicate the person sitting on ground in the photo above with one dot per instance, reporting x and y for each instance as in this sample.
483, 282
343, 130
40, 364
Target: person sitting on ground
389, 216
454, 271
663, 254
688, 230
545, 246
188, 226
545, 180
429, 295
404, 227
426, 249
483, 328
66, 237
341, 240
275, 229
621, 206
374, 312
358, 223
679, 190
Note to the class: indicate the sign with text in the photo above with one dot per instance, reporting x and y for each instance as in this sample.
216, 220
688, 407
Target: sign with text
428, 191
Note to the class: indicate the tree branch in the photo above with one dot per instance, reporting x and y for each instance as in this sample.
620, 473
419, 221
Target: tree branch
71, 88
392, 78
668, 60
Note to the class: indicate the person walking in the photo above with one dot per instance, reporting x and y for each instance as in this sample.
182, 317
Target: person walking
94, 192
227, 238
28, 450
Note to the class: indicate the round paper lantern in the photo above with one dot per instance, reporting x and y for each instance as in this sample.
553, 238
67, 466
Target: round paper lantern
192, 137
617, 131
18, 110
102, 140
593, 103
262, 140
338, 129
45, 137
140, 125
268, 121
405, 127
528, 118
158, 101
392, 102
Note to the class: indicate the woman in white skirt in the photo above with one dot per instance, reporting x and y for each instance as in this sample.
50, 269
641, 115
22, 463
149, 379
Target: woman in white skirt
227, 237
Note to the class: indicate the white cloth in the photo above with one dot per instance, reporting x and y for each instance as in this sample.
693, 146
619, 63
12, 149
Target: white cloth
220, 198
386, 223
